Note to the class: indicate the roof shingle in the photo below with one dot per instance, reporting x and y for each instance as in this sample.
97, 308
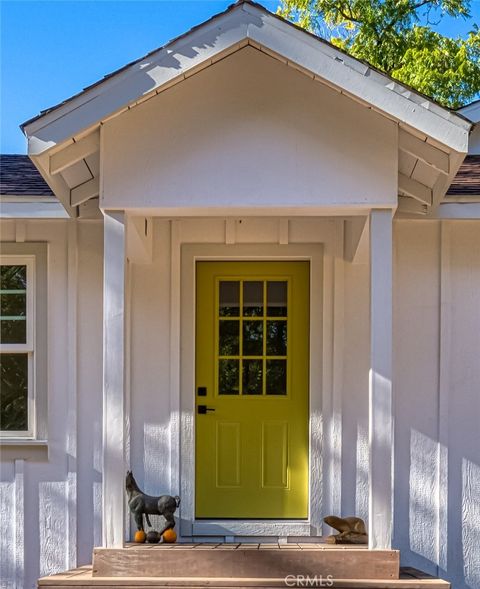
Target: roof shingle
467, 180
19, 177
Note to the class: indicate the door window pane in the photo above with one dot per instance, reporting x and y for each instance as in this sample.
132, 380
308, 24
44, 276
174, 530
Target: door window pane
253, 299
276, 338
277, 299
14, 392
229, 299
253, 338
228, 377
276, 377
229, 336
252, 382
13, 304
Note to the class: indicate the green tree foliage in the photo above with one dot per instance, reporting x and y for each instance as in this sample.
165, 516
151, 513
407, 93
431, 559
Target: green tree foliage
397, 37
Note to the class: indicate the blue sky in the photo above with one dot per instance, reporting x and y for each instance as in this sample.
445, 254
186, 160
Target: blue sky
50, 50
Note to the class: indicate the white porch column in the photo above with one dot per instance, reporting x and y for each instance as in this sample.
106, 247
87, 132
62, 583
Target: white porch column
380, 504
113, 380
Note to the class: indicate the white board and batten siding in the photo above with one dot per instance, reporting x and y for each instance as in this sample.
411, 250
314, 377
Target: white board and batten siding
50, 500
436, 401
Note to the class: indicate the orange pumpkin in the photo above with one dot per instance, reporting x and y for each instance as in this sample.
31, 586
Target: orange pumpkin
140, 536
169, 536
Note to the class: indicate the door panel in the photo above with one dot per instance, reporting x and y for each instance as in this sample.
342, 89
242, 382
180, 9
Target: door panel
252, 333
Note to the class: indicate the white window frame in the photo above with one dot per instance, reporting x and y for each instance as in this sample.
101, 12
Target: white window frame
33, 255
28, 347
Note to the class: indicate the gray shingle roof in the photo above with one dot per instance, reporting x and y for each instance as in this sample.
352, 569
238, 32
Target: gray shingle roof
467, 180
19, 177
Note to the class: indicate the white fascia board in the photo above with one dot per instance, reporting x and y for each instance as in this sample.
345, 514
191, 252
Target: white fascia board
32, 210
361, 82
217, 37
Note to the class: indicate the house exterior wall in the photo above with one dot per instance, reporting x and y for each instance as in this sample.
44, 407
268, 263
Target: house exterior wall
436, 384
249, 131
437, 400
51, 502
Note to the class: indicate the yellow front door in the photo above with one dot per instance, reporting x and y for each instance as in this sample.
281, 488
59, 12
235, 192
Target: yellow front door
252, 334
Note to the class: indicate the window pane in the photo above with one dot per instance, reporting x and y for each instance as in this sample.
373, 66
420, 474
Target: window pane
228, 381
13, 277
252, 299
229, 331
276, 377
13, 304
13, 332
252, 377
229, 299
276, 338
14, 392
277, 299
253, 338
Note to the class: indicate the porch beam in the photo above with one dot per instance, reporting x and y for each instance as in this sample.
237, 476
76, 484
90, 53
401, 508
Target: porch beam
380, 504
113, 380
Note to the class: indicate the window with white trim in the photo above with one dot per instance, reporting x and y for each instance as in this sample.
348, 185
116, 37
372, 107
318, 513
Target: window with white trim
23, 343
17, 349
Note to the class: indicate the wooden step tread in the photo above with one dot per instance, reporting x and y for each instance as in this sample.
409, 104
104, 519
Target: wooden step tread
233, 561
81, 578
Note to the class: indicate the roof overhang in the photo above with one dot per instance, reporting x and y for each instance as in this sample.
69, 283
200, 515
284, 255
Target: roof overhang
64, 141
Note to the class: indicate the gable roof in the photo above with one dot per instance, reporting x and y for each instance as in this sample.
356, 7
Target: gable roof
244, 22
64, 141
20, 177
215, 17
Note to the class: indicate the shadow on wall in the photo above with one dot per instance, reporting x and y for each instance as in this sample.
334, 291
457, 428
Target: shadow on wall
444, 523
156, 476
148, 74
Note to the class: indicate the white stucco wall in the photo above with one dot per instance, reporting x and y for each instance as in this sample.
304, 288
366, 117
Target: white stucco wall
248, 132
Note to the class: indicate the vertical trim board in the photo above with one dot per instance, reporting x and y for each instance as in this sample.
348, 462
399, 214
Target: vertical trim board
380, 511
445, 319
19, 525
71, 430
175, 309
114, 381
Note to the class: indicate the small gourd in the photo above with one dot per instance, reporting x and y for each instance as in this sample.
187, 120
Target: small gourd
140, 536
169, 536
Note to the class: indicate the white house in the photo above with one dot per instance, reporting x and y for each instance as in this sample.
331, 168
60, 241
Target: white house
250, 221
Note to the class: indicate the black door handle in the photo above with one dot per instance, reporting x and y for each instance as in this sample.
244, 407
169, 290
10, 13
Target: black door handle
202, 409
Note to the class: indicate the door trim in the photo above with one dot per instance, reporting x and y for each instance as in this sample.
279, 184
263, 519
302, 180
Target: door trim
190, 254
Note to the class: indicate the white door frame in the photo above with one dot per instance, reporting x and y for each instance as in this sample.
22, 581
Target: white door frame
190, 254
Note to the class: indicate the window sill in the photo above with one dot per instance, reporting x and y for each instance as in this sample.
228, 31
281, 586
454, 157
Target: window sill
22, 442
23, 449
